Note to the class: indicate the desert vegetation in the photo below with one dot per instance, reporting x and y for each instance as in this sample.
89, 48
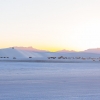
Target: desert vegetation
76, 58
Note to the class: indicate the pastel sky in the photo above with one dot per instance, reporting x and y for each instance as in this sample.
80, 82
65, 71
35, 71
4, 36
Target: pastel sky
50, 24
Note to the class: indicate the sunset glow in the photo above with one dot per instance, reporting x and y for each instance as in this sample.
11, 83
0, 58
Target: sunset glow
50, 24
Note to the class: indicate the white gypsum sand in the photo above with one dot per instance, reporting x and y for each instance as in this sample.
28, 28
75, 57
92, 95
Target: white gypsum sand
20, 55
44, 81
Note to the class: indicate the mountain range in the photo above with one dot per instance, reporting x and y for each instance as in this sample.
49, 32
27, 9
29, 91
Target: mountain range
92, 50
26, 52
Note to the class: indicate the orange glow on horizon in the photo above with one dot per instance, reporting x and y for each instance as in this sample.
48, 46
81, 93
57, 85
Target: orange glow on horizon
47, 48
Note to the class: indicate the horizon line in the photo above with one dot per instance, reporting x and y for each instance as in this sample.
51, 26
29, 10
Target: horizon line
59, 50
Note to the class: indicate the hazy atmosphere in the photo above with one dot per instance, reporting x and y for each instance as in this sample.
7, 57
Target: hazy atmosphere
50, 24
49, 49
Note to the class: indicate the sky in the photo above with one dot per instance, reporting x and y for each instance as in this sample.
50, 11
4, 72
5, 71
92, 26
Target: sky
50, 24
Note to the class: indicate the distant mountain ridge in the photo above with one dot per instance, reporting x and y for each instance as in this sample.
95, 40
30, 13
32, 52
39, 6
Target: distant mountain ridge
17, 52
66, 51
93, 50
29, 49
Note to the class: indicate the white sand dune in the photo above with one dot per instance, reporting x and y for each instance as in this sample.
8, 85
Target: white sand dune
10, 53
44, 81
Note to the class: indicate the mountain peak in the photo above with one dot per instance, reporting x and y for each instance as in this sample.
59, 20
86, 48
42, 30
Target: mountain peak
64, 50
93, 50
30, 48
